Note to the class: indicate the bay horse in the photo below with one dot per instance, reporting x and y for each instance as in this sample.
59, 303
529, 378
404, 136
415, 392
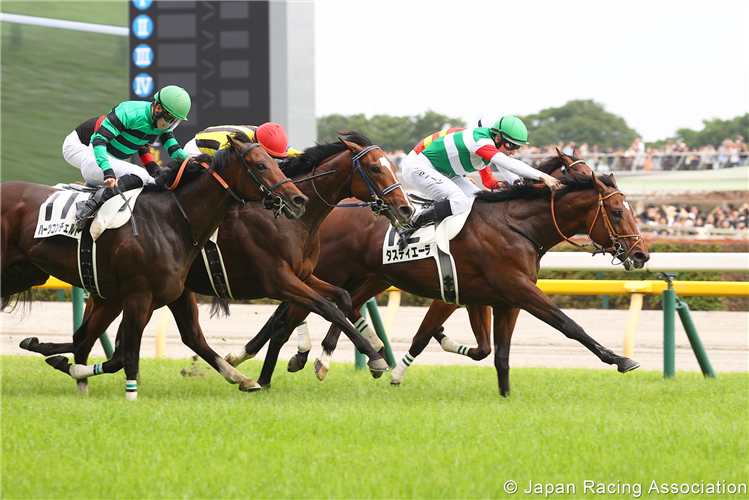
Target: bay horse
279, 263
140, 274
587, 203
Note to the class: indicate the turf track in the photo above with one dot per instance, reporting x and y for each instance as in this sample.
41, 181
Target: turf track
445, 433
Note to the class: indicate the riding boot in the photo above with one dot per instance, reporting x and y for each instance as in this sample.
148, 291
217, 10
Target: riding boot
87, 209
437, 212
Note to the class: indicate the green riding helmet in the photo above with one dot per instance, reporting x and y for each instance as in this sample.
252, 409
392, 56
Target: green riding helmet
511, 129
176, 101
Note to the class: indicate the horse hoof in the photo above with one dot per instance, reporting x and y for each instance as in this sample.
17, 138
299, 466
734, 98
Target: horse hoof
28, 342
249, 385
231, 359
320, 370
295, 364
59, 363
627, 365
377, 367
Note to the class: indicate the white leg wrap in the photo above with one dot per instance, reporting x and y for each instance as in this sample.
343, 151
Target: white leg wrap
450, 345
325, 359
396, 377
304, 343
366, 331
131, 390
79, 372
229, 372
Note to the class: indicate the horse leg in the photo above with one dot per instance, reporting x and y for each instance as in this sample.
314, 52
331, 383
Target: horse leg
540, 305
341, 298
136, 311
252, 347
431, 326
329, 343
301, 295
480, 318
504, 324
185, 312
100, 313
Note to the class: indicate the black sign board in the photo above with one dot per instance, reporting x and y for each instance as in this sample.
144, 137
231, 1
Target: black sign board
218, 51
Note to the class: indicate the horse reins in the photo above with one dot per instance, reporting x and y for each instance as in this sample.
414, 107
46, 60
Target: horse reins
616, 248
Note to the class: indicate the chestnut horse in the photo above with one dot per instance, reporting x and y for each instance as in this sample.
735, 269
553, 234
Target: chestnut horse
140, 274
586, 204
279, 264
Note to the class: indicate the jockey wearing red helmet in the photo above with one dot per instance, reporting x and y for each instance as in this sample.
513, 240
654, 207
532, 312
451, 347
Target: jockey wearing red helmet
271, 136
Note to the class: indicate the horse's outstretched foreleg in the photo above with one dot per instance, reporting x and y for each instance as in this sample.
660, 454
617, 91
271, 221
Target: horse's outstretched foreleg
301, 295
341, 298
252, 347
504, 324
185, 312
529, 297
329, 343
431, 326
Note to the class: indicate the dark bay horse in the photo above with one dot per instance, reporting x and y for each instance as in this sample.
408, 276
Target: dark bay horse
140, 274
264, 257
587, 204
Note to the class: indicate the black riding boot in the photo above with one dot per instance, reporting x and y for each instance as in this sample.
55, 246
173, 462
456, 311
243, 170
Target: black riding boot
437, 212
87, 209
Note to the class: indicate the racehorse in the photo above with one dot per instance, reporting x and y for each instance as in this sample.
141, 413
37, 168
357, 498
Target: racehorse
439, 312
276, 258
497, 265
140, 274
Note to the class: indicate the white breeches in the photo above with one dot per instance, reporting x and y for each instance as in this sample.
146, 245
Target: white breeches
418, 172
82, 157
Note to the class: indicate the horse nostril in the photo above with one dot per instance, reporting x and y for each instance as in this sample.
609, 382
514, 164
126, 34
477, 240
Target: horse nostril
641, 257
406, 211
300, 201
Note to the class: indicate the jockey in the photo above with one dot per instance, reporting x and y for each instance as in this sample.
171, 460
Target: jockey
438, 165
271, 136
100, 146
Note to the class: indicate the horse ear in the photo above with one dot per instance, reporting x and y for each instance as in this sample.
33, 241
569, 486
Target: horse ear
559, 153
233, 141
351, 146
612, 178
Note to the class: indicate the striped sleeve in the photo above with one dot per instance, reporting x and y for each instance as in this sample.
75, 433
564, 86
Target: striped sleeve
107, 131
172, 146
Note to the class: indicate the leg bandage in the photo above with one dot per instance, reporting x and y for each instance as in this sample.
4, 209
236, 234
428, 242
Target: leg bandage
304, 343
131, 390
450, 345
79, 372
400, 370
366, 331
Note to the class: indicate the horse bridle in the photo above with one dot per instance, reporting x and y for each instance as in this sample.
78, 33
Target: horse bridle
269, 201
616, 249
378, 205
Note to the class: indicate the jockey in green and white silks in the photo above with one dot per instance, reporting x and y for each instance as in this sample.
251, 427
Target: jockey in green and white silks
99, 147
438, 165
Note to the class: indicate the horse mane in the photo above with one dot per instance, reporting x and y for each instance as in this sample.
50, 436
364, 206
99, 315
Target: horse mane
531, 192
314, 155
218, 162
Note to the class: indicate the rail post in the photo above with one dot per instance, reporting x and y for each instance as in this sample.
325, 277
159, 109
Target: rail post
669, 343
360, 361
694, 339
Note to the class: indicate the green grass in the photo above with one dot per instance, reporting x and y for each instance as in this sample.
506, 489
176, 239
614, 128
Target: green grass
445, 433
54, 79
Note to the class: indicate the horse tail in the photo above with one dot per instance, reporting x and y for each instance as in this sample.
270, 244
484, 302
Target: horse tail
25, 299
220, 307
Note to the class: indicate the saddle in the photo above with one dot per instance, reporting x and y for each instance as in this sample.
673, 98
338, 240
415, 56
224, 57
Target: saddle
430, 241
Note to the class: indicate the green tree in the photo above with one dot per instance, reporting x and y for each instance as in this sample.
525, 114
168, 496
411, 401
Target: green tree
715, 132
389, 132
579, 121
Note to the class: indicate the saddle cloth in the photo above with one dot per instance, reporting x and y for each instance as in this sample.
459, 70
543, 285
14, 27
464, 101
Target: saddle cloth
57, 213
429, 242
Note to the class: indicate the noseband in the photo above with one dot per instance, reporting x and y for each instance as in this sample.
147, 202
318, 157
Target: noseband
378, 205
616, 249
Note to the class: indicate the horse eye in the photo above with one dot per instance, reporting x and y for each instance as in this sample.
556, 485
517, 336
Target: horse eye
617, 214
376, 169
261, 166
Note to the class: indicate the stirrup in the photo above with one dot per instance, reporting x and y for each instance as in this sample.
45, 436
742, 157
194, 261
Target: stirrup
86, 210
404, 232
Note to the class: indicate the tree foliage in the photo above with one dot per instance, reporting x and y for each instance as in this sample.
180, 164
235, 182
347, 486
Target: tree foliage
579, 121
389, 132
715, 132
